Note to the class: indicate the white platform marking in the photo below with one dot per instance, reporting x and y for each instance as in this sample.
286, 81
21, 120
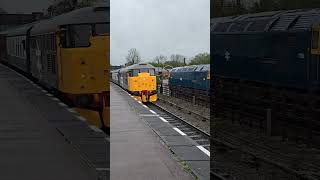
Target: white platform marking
102, 169
179, 131
152, 112
163, 119
149, 115
145, 106
94, 128
71, 110
204, 150
62, 104
55, 99
81, 118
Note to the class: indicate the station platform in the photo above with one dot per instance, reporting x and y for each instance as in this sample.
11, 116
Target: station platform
40, 138
137, 151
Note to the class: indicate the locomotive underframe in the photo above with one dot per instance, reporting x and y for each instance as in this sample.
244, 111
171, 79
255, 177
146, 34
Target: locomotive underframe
292, 114
196, 96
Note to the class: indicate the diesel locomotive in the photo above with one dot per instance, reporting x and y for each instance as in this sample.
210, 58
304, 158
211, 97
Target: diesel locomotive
191, 82
266, 71
69, 55
139, 80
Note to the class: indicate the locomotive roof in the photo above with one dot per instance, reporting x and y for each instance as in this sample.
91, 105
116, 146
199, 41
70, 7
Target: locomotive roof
200, 67
115, 71
275, 21
137, 66
20, 30
87, 15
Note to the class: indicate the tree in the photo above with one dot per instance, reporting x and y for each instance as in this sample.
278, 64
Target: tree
273, 5
133, 57
174, 64
202, 58
227, 8
159, 60
177, 58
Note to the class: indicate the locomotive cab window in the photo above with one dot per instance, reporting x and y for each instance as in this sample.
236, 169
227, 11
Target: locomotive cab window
129, 74
135, 72
144, 70
152, 72
102, 29
76, 36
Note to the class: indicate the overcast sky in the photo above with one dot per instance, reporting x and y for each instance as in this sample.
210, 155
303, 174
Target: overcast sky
24, 6
157, 27
153, 27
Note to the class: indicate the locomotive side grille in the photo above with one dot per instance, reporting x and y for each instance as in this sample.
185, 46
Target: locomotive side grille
283, 23
305, 21
292, 41
53, 63
49, 63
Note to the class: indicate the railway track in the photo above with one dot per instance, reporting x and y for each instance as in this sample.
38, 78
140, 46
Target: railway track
199, 136
188, 111
289, 164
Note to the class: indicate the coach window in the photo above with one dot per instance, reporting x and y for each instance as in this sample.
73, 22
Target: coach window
17, 47
23, 44
79, 36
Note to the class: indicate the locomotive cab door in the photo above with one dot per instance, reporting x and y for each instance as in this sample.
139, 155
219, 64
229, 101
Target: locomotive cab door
314, 65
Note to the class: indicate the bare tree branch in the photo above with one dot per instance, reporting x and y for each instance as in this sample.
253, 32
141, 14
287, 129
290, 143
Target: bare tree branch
133, 57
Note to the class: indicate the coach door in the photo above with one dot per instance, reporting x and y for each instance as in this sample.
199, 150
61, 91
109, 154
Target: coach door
314, 65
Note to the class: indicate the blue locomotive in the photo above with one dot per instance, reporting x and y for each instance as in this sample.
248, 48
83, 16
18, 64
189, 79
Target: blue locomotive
192, 77
191, 82
279, 48
267, 71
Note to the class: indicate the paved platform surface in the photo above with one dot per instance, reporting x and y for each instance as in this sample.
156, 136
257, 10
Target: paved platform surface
136, 150
40, 138
183, 147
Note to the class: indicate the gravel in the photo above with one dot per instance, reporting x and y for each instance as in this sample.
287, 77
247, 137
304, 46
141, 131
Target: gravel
196, 115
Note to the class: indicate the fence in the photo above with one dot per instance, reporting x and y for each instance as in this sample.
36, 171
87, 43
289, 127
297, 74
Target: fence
196, 97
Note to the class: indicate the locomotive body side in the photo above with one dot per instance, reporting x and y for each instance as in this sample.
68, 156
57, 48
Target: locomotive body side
277, 49
266, 71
